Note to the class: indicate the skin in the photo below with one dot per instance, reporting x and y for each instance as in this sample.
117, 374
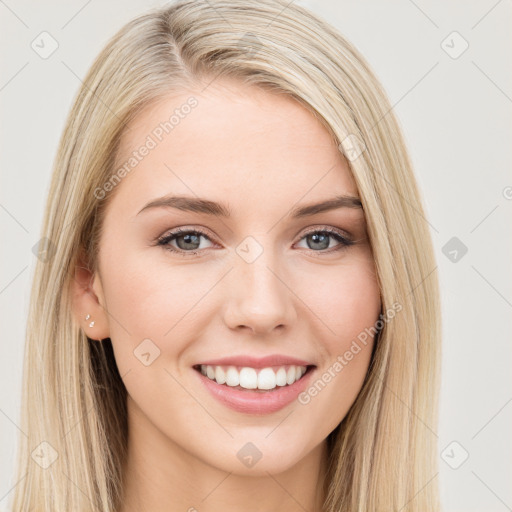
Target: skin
261, 155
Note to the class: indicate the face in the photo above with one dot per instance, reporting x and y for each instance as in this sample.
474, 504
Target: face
260, 281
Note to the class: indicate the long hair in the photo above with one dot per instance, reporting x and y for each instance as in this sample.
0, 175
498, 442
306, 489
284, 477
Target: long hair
383, 454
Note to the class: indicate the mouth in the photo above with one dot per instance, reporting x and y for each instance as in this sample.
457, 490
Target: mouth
255, 391
255, 380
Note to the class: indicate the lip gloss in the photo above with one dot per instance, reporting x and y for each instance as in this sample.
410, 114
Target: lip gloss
256, 402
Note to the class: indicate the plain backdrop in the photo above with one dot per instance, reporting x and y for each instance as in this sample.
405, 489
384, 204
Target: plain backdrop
446, 69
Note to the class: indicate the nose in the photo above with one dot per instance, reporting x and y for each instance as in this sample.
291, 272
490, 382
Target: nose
259, 297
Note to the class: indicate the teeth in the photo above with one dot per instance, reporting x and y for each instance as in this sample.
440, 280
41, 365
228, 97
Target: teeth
232, 377
267, 379
220, 375
251, 378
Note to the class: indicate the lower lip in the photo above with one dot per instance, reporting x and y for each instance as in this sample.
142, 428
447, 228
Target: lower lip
256, 402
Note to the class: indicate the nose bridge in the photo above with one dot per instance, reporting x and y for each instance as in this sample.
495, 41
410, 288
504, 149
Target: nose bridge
258, 297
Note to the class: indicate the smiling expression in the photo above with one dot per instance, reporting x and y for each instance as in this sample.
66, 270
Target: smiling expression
254, 270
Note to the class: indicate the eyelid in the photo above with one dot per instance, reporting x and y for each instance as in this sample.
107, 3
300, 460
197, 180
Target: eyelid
329, 229
174, 232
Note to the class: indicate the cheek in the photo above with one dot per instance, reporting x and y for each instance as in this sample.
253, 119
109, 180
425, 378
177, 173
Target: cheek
153, 312
346, 300
153, 300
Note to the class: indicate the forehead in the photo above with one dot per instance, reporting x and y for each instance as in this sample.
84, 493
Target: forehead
256, 148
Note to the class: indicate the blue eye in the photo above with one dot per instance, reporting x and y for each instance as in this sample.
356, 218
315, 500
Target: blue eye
190, 237
188, 241
320, 239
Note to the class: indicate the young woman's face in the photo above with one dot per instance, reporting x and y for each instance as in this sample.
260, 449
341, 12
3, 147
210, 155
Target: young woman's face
259, 281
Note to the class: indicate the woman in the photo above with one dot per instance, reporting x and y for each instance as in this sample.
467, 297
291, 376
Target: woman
236, 308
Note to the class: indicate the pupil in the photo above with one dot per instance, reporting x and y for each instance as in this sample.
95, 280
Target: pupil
315, 238
187, 241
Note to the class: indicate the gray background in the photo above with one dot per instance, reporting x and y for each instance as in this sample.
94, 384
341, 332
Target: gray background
455, 111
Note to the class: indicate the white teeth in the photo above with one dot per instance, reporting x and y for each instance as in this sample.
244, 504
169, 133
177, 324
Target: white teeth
248, 378
267, 379
290, 375
220, 376
232, 377
251, 378
281, 377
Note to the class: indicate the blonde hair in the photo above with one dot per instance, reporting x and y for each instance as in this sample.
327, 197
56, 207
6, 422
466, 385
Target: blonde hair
383, 454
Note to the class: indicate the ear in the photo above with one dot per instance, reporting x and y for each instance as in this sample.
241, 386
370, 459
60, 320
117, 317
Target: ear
88, 301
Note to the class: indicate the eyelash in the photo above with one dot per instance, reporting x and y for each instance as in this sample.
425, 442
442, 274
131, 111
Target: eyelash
164, 240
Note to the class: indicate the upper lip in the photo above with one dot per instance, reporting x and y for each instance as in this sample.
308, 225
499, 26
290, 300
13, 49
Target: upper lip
257, 362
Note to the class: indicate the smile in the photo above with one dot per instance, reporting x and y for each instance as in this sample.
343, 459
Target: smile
280, 386
253, 378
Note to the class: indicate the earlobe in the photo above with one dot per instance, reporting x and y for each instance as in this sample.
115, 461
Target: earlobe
92, 322
87, 303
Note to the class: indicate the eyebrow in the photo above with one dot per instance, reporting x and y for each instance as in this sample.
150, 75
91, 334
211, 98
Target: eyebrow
205, 206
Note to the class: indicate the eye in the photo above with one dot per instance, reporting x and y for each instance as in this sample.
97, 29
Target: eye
319, 240
187, 240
